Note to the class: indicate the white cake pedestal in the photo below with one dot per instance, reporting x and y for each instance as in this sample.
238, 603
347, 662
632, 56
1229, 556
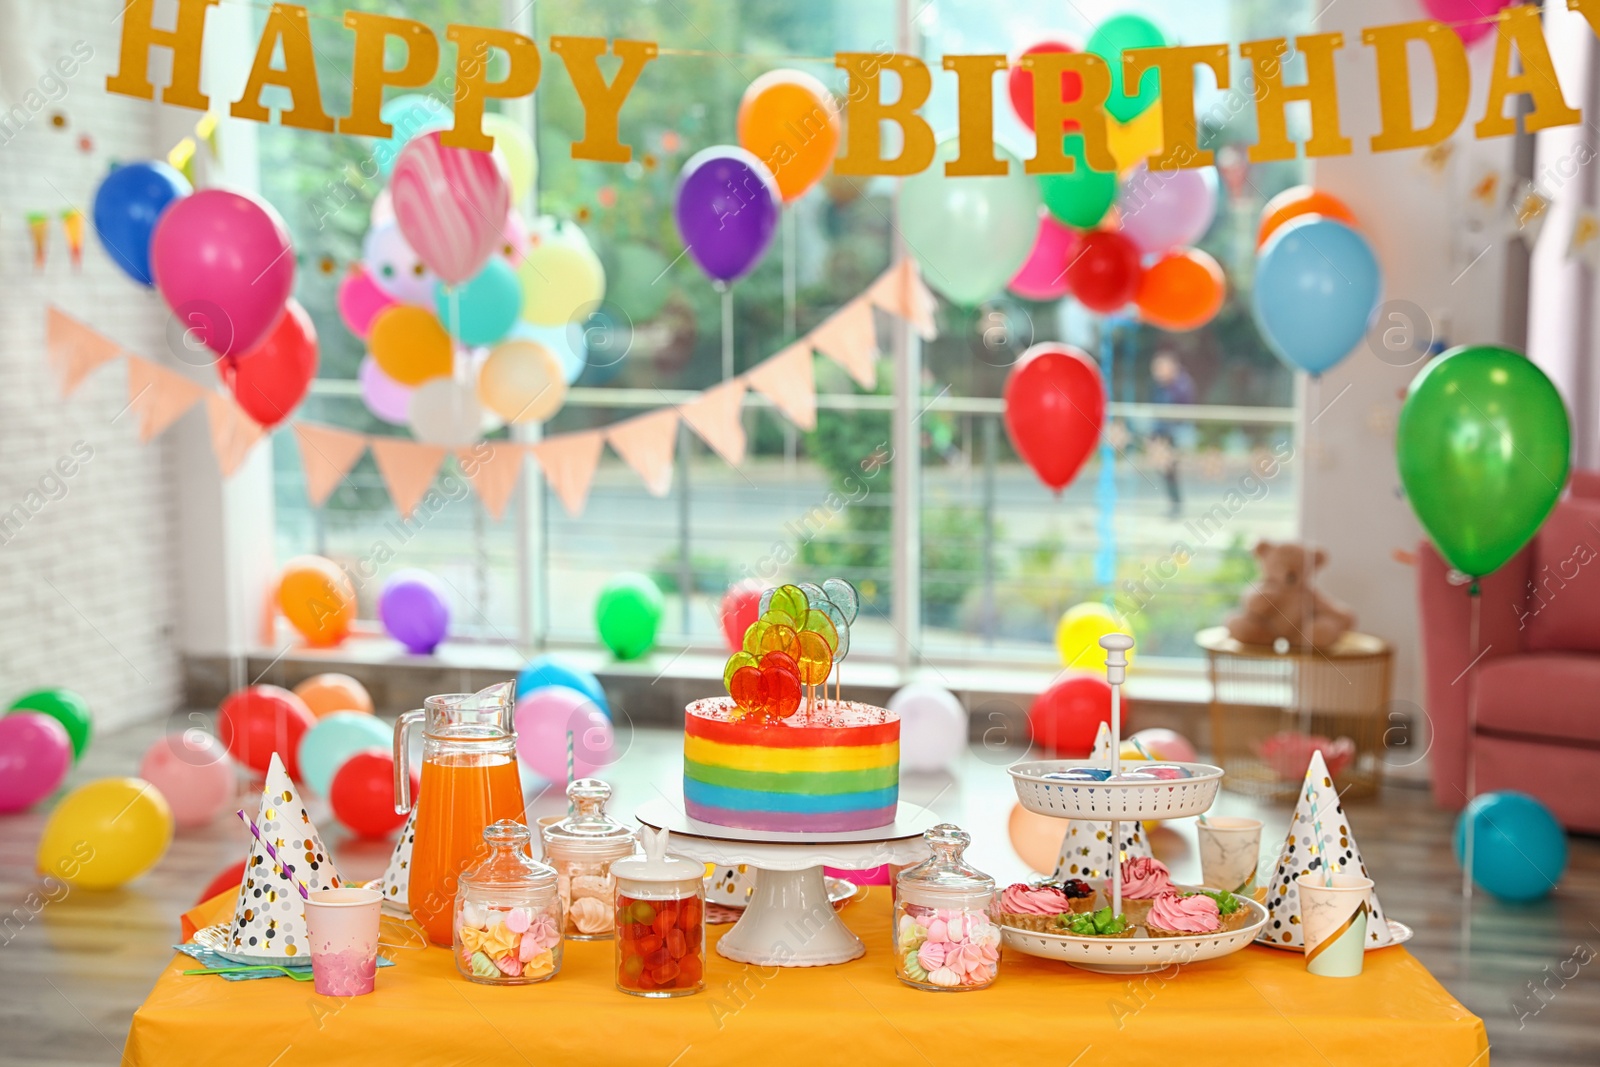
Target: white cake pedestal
789, 921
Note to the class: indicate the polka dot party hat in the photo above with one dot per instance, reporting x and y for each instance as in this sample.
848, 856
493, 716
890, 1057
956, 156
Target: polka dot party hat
397, 876
270, 918
1086, 847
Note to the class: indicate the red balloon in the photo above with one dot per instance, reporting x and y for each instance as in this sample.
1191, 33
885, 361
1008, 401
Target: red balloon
231, 878
271, 379
1055, 405
1105, 273
1019, 83
256, 722
362, 793
741, 606
1065, 718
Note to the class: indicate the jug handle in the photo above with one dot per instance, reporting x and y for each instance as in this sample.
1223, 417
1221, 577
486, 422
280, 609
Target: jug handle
403, 801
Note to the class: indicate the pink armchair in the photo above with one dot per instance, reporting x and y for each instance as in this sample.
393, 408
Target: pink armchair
1537, 683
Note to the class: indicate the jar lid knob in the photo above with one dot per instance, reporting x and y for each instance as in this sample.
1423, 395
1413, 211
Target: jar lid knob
948, 839
588, 794
506, 832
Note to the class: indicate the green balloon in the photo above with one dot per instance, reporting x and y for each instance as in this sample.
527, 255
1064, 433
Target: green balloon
1082, 198
1115, 36
628, 614
65, 707
1483, 448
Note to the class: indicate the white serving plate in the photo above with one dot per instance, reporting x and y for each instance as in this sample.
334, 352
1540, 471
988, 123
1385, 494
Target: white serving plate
1129, 801
1136, 954
215, 938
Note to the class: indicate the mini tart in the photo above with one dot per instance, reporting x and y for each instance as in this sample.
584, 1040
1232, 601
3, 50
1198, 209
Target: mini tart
1156, 931
1238, 918
1042, 924
1064, 925
1080, 895
1135, 911
1239, 914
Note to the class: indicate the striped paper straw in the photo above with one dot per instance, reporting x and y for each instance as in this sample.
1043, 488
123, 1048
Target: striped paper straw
288, 871
571, 764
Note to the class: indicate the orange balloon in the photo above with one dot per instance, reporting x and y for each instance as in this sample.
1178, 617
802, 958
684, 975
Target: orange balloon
1182, 290
410, 345
318, 599
1037, 838
325, 694
789, 121
1301, 200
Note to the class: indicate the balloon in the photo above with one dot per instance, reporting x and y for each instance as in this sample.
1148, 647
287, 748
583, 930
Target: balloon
522, 382
384, 397
1483, 447
970, 234
627, 614
1019, 84
1082, 198
65, 707
1167, 745
333, 739
546, 716
415, 610
411, 115
450, 204
1183, 290
1109, 41
562, 278
224, 265
1036, 838
1519, 850
1301, 200
271, 379
1044, 275
547, 670
35, 756
228, 880
362, 793
514, 145
566, 343
741, 606
410, 345
1164, 209
726, 208
1079, 632
254, 723
1317, 284
395, 268
1471, 19
1105, 274
789, 121
192, 770
1054, 406
1065, 717
360, 300
1135, 141
127, 207
933, 727
325, 694
106, 833
318, 599
446, 412
484, 310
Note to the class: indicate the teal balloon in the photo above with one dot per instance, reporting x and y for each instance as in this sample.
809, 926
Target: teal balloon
1317, 285
1082, 198
411, 115
1519, 850
483, 310
1483, 448
334, 739
1115, 36
628, 614
969, 234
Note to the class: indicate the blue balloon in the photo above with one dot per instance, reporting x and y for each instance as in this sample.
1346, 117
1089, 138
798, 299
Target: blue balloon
554, 670
1519, 850
334, 739
483, 310
127, 207
410, 116
1317, 285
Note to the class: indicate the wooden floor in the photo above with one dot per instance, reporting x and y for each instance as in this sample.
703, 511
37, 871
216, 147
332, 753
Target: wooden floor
73, 970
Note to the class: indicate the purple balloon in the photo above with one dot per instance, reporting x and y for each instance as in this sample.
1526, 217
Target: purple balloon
35, 755
384, 397
727, 210
1166, 209
413, 609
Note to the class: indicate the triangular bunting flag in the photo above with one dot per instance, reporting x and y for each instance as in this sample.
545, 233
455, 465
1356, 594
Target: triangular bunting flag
233, 433
397, 876
849, 337
647, 443
270, 918
493, 468
1319, 838
327, 455
718, 417
158, 396
568, 463
789, 381
1584, 242
1086, 846
74, 349
900, 291
407, 469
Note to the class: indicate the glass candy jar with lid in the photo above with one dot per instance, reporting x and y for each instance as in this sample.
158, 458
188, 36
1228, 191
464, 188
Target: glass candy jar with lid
661, 933
944, 938
581, 848
508, 913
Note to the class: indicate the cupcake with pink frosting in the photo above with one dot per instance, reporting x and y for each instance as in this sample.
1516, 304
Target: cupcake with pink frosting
1027, 907
1183, 915
1143, 880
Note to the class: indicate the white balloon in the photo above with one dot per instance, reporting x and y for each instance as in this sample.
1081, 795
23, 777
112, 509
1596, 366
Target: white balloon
395, 268
933, 727
446, 412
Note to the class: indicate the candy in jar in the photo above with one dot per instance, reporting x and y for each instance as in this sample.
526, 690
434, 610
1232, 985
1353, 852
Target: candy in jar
944, 937
581, 848
660, 917
507, 928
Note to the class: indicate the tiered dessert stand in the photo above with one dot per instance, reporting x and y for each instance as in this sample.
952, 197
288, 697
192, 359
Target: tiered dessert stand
1119, 802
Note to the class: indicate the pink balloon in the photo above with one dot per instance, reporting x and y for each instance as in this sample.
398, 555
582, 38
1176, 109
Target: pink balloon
1167, 209
360, 300
193, 771
1464, 13
1043, 276
35, 755
225, 266
451, 205
545, 716
1166, 744
515, 247
384, 397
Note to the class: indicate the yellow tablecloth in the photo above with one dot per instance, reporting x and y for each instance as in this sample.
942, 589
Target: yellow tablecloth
1258, 1007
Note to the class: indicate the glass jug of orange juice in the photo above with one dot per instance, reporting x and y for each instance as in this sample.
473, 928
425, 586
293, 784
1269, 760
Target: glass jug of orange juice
469, 780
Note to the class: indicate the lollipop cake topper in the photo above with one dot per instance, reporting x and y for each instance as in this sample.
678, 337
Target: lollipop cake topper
803, 632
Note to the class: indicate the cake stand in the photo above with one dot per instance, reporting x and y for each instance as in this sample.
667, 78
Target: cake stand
789, 921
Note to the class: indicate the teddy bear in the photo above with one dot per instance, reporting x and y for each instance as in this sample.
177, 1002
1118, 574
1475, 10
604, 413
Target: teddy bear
1281, 602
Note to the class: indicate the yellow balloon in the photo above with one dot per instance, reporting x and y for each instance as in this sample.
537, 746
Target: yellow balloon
1132, 141
106, 833
521, 381
514, 145
410, 345
562, 279
1079, 632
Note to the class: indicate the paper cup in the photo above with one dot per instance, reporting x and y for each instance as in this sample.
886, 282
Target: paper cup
1334, 920
342, 926
1230, 852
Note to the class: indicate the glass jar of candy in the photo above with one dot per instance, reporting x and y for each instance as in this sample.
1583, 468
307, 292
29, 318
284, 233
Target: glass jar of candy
944, 937
660, 917
581, 848
507, 928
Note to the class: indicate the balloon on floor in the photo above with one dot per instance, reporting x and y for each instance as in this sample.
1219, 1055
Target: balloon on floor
334, 739
193, 771
65, 707
545, 719
1079, 632
627, 615
741, 606
325, 694
318, 599
933, 726
35, 756
255, 722
1519, 851
362, 793
106, 833
1064, 718
415, 610
555, 669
